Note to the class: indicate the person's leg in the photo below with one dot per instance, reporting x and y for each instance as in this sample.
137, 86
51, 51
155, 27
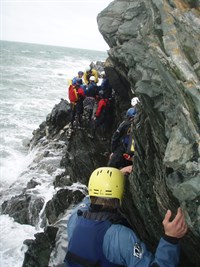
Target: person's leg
93, 128
101, 128
73, 112
90, 115
79, 112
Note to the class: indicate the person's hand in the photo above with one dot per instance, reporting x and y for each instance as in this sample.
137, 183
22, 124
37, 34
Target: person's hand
177, 227
127, 169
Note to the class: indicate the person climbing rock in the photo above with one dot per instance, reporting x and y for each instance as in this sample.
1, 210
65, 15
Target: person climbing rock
79, 76
76, 96
122, 143
99, 236
88, 73
101, 115
105, 85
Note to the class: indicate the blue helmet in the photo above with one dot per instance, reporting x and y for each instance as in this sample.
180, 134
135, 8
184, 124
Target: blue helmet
79, 81
131, 112
74, 81
80, 72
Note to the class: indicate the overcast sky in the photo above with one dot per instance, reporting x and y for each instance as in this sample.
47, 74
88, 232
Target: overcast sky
65, 23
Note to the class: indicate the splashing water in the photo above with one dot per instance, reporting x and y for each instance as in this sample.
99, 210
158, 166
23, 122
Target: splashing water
33, 79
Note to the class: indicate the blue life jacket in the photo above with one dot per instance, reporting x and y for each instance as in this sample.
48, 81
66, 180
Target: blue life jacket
86, 245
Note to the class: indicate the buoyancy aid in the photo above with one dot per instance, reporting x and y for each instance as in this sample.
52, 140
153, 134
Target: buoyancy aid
87, 75
85, 248
72, 93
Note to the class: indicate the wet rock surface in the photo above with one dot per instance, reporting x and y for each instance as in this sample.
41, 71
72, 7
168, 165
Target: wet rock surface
154, 54
67, 156
39, 250
63, 199
23, 209
154, 47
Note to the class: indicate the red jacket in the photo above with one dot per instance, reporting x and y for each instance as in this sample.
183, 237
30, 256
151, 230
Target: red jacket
101, 105
75, 94
80, 92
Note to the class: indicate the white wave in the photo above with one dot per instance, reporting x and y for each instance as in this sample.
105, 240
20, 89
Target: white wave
25, 51
13, 235
11, 169
33, 83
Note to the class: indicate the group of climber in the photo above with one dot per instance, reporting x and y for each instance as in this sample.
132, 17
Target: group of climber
90, 98
95, 101
98, 234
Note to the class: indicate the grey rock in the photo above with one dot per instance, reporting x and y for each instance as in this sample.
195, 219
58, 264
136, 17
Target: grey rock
154, 54
60, 202
39, 250
154, 49
23, 209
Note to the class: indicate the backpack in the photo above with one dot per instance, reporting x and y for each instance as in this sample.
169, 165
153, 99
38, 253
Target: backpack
73, 96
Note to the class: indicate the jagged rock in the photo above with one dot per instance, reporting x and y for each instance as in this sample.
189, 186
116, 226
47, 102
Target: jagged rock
62, 180
31, 184
59, 117
83, 156
154, 54
23, 209
55, 121
99, 66
60, 202
17, 207
39, 250
38, 134
154, 48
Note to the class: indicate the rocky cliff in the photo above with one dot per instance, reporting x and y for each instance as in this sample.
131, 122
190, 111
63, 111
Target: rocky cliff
155, 55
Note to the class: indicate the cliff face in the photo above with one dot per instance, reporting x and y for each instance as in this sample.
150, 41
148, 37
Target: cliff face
155, 54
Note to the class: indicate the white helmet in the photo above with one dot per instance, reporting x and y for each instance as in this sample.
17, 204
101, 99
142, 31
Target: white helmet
134, 101
103, 73
87, 69
92, 78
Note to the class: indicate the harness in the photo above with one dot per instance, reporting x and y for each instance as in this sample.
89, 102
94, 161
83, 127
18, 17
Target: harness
86, 245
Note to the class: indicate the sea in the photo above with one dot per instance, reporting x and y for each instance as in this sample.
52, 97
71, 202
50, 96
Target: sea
34, 78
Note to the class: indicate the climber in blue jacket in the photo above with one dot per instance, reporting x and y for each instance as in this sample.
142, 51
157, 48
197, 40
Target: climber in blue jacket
99, 236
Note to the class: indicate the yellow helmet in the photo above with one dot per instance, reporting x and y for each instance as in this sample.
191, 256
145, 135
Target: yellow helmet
106, 182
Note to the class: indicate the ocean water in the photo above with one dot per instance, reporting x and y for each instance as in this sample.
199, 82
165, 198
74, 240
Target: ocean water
33, 79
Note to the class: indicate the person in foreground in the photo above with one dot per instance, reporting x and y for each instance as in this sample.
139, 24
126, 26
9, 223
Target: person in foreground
99, 236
